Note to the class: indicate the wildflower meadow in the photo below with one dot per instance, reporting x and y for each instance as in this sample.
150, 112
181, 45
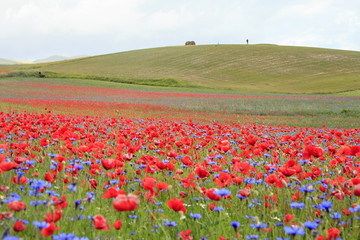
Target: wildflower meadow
103, 163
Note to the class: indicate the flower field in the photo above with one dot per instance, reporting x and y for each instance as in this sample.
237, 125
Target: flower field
96, 163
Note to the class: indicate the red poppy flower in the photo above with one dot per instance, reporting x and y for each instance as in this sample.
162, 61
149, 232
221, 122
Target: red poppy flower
288, 218
60, 204
176, 205
112, 193
223, 180
19, 226
108, 163
125, 203
117, 225
149, 184
346, 211
23, 180
210, 194
7, 166
50, 217
161, 186
189, 181
314, 151
6, 215
272, 178
48, 231
100, 223
93, 183
357, 190
245, 192
49, 177
333, 233
186, 235
44, 142
17, 206
287, 171
202, 172
4, 188
60, 158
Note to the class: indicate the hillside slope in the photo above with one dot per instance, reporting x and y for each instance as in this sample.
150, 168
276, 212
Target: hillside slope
4, 61
255, 68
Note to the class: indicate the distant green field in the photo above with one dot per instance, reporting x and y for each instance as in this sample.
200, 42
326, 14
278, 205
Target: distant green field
135, 101
245, 68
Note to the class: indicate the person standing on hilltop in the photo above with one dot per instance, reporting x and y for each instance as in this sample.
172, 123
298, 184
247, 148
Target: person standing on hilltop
247, 41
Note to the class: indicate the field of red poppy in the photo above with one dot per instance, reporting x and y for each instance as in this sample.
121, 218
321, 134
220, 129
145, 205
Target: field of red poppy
96, 162
79, 97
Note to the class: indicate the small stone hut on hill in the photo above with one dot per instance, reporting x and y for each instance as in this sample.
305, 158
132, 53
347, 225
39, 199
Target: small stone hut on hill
190, 43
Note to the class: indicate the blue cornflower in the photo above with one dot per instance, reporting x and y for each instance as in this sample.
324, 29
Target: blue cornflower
37, 184
294, 230
195, 215
79, 167
133, 216
307, 188
248, 237
259, 225
13, 197
235, 225
90, 196
53, 165
222, 192
50, 192
30, 162
87, 163
239, 196
311, 225
40, 225
326, 205
72, 187
336, 215
10, 238
297, 205
53, 155
218, 209
35, 203
355, 209
170, 224
64, 236
77, 203
114, 181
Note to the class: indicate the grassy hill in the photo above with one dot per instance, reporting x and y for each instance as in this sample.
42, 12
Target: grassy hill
4, 61
253, 68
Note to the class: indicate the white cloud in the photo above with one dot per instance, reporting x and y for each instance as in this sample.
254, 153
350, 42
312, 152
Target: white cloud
36, 28
81, 17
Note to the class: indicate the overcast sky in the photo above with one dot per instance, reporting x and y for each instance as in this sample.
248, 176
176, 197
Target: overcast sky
33, 29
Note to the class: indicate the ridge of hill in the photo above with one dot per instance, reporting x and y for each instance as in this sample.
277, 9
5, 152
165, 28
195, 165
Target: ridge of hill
4, 61
56, 58
253, 68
